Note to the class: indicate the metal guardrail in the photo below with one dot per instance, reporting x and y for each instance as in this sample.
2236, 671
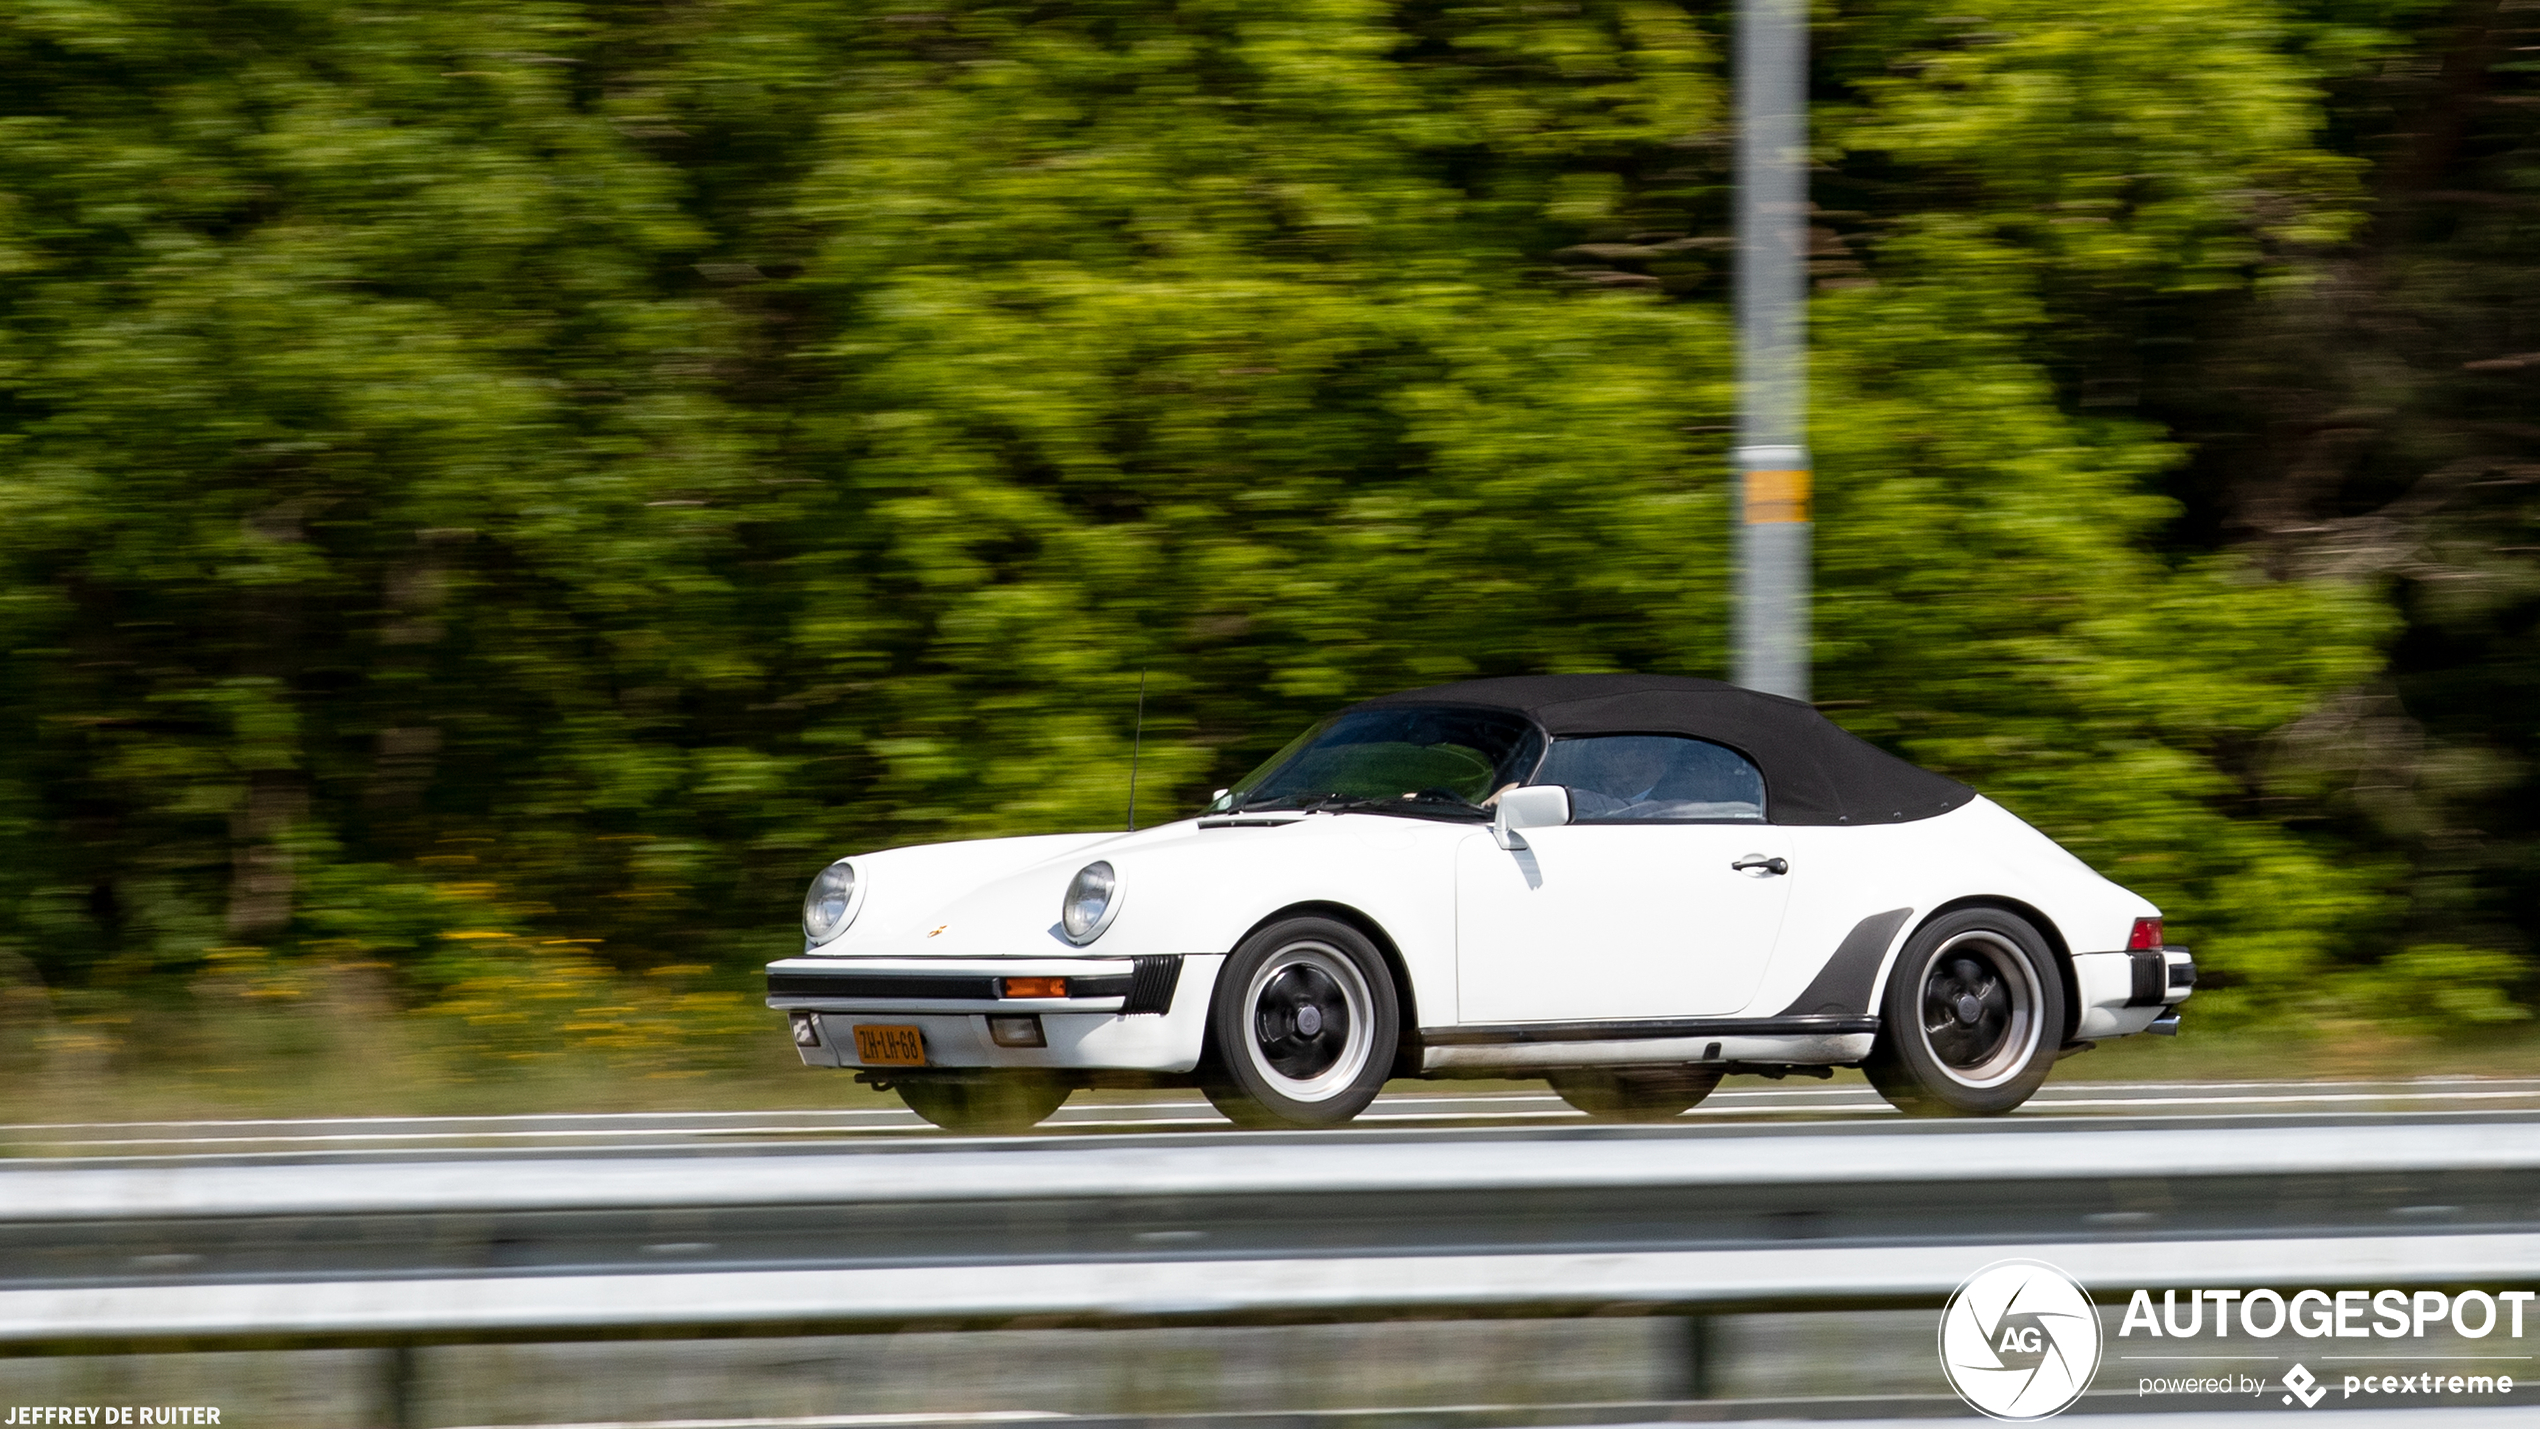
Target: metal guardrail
1286, 1164
1232, 1228
488, 1309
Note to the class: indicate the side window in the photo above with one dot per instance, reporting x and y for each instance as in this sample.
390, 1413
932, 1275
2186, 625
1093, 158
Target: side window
1620, 778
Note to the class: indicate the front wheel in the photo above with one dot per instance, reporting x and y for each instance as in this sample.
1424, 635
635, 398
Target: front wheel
1972, 1018
985, 1103
1634, 1093
1303, 1026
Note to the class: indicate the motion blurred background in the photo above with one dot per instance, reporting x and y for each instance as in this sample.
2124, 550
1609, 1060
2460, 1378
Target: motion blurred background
494, 495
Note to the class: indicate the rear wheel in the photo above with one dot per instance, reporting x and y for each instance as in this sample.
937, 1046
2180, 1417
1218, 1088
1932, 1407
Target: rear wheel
1303, 1026
989, 1103
1634, 1093
1972, 1018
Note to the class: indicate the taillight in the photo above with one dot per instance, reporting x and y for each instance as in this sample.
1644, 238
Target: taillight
2147, 934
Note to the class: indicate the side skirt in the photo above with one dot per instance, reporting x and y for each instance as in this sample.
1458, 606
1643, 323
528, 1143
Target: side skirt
1821, 1040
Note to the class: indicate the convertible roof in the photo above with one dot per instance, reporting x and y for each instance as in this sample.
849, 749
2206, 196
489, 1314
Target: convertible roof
1814, 772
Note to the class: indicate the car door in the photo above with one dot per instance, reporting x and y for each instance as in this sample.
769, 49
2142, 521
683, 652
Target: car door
1661, 899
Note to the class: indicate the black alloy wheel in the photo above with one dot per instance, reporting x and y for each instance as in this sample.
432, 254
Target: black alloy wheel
1302, 1028
1301, 1021
1973, 1017
985, 1103
1634, 1093
1969, 1018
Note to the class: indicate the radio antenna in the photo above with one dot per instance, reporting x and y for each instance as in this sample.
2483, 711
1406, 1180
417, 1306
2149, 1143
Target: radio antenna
1136, 738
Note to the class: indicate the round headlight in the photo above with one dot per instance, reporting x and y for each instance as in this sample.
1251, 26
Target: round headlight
825, 906
1092, 895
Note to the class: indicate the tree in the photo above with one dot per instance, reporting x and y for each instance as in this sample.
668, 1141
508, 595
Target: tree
490, 478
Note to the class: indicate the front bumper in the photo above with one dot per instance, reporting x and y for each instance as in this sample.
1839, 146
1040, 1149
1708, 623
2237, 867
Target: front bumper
1122, 1014
1124, 985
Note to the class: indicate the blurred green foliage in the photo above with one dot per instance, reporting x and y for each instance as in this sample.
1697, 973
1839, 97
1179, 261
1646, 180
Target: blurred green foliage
507, 490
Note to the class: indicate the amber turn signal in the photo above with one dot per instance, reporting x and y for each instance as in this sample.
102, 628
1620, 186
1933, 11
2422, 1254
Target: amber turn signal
1035, 986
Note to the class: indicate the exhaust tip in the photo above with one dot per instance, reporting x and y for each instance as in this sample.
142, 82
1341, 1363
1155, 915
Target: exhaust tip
2165, 1025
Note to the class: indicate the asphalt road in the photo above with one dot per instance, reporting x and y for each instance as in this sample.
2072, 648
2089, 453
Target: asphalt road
1823, 1108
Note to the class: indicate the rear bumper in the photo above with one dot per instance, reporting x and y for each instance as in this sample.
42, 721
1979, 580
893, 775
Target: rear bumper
1128, 1014
2125, 993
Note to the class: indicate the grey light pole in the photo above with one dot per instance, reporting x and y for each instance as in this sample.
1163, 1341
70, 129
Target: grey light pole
1771, 458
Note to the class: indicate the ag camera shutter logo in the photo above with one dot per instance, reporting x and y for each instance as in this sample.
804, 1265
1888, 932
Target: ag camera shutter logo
2020, 1340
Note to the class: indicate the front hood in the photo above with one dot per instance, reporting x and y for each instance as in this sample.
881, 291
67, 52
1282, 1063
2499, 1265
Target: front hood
1000, 897
897, 889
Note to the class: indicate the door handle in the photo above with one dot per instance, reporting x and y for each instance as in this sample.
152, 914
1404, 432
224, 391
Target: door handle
1755, 865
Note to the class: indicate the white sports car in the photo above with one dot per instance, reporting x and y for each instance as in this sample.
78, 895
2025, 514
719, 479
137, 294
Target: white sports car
1627, 885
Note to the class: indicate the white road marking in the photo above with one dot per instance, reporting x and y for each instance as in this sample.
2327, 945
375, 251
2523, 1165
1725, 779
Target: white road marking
812, 1421
389, 1135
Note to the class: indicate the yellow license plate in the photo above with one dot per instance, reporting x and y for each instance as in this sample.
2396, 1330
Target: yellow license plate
890, 1045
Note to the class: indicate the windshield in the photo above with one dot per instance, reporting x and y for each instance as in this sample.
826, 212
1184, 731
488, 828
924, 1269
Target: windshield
1413, 759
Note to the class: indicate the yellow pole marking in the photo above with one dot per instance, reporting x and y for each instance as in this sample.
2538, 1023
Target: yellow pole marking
1776, 497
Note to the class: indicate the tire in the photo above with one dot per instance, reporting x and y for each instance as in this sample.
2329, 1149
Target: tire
1303, 1026
1634, 1093
1972, 1018
1238, 1108
987, 1104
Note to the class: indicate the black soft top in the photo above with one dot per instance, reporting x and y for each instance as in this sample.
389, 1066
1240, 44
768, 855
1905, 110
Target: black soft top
1814, 772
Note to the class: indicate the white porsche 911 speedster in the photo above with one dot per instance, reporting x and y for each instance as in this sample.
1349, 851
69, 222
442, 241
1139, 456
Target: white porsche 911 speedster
1627, 885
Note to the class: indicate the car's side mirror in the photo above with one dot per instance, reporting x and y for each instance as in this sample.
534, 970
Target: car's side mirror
1536, 806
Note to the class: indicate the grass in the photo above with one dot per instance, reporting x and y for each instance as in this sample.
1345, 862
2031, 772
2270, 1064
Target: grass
210, 1063
2329, 1051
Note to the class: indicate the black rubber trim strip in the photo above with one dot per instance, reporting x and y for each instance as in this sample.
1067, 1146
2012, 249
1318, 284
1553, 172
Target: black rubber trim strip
2151, 986
949, 988
1510, 1033
1843, 984
857, 984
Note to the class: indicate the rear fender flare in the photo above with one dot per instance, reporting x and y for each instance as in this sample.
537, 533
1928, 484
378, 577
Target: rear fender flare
2045, 926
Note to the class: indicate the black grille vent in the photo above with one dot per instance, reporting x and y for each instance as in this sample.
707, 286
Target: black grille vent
1151, 985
